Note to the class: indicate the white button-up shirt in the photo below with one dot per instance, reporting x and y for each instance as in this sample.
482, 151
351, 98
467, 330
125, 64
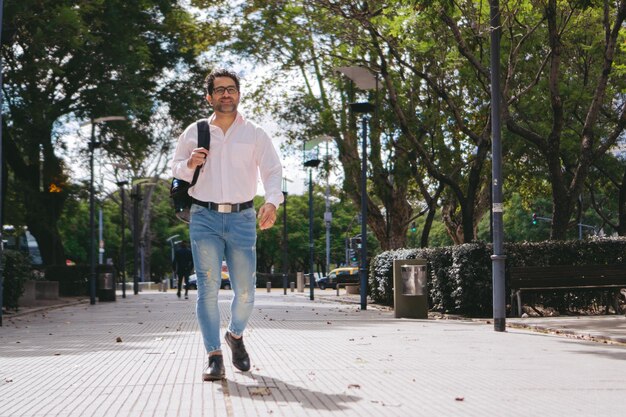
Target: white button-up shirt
235, 160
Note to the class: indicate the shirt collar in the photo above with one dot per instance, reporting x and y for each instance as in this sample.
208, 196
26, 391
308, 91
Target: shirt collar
240, 118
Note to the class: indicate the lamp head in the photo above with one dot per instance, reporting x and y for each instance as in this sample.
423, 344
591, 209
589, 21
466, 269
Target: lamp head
363, 107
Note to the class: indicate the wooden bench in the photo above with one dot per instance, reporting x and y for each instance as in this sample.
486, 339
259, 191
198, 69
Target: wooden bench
346, 284
563, 277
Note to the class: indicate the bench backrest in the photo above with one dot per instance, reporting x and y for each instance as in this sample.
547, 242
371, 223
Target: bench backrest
568, 276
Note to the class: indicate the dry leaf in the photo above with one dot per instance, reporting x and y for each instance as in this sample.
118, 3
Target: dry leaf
260, 391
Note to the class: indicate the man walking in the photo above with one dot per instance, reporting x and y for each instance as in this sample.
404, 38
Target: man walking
223, 218
183, 265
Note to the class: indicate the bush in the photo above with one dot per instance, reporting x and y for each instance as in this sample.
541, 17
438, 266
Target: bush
460, 277
16, 271
73, 280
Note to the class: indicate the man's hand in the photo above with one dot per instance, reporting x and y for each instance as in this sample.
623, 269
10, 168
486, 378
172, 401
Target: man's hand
197, 158
267, 216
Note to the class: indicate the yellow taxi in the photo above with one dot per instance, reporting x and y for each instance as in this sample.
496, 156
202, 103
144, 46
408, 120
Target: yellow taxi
347, 274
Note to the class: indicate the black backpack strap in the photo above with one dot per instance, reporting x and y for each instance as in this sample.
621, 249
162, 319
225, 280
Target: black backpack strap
204, 141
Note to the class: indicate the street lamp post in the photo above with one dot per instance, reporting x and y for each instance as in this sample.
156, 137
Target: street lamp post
285, 246
1, 180
311, 162
172, 243
498, 258
138, 241
363, 108
93, 144
328, 215
365, 80
136, 197
122, 184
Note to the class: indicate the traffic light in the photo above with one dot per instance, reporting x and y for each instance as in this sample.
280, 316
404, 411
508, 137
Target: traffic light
534, 218
353, 256
413, 227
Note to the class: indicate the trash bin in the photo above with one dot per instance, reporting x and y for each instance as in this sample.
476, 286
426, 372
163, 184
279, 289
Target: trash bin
106, 286
410, 292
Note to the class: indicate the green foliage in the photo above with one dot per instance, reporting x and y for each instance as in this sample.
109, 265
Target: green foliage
380, 280
71, 61
16, 271
460, 276
73, 280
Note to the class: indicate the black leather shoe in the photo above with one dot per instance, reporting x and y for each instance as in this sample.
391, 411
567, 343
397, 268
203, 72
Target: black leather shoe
214, 370
241, 360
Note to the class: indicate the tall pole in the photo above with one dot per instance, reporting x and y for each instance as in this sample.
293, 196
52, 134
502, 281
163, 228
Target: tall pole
311, 253
327, 214
1, 180
172, 243
135, 196
327, 220
93, 144
498, 257
121, 184
92, 228
100, 238
285, 246
363, 263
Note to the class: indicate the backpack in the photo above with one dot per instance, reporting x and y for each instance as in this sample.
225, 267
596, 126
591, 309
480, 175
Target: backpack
179, 188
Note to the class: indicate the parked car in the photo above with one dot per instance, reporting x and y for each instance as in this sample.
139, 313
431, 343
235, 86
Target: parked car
343, 275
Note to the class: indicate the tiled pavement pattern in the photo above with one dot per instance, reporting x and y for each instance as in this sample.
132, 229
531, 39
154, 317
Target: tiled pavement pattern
308, 359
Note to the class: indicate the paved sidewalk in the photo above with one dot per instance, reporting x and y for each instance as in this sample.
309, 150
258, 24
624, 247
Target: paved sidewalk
143, 356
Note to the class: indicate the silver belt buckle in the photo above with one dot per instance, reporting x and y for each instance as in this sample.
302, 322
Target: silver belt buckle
224, 208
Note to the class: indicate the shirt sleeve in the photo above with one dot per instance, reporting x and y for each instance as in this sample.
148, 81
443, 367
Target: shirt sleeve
270, 168
187, 142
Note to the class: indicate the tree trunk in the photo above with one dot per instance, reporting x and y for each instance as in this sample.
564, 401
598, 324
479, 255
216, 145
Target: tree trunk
43, 202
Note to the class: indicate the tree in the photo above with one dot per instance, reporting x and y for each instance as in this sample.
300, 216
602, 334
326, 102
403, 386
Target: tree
561, 83
77, 60
303, 41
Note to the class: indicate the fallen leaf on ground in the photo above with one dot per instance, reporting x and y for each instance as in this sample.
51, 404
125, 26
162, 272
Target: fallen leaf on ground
459, 398
118, 340
355, 386
260, 391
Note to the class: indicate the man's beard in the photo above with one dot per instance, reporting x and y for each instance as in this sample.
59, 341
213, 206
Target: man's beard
225, 107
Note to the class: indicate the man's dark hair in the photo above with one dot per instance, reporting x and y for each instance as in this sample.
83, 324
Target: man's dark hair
219, 72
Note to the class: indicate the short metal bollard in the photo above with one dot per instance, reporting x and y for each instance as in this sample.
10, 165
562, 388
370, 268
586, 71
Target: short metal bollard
300, 281
292, 286
269, 286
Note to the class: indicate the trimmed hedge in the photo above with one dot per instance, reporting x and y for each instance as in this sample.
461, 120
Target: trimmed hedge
74, 279
460, 277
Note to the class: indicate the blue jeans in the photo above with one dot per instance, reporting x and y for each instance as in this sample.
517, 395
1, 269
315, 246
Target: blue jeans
215, 236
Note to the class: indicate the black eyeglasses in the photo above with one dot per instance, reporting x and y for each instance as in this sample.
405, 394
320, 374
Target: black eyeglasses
221, 90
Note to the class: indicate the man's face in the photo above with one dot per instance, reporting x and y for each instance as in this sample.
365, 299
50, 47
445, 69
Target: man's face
225, 97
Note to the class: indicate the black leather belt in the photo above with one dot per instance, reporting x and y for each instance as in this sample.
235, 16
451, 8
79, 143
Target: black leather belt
225, 207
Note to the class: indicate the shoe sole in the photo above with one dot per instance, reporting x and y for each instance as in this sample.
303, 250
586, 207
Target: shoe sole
212, 378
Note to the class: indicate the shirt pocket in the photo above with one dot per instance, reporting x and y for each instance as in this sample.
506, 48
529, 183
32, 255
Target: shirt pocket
242, 155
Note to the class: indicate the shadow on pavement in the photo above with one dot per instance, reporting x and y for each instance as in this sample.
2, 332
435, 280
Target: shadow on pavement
261, 386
